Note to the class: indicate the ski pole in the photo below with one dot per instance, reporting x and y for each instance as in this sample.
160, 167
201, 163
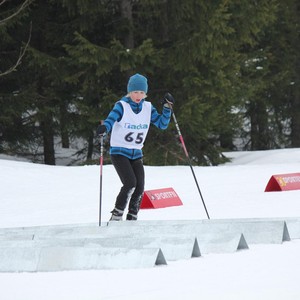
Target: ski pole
101, 175
169, 96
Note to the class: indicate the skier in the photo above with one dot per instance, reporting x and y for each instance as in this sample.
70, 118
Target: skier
129, 122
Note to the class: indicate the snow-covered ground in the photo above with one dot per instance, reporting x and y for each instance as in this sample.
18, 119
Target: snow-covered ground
32, 194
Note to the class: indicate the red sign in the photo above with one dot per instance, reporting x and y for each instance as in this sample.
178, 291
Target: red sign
284, 182
160, 198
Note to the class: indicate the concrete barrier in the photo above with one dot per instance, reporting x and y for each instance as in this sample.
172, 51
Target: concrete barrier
32, 259
221, 243
94, 258
21, 259
173, 247
255, 232
293, 225
16, 236
138, 244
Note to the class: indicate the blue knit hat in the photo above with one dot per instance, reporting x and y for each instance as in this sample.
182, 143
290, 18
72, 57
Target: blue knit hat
137, 82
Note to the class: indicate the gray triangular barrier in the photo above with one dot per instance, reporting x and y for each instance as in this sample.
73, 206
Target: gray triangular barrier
242, 243
160, 259
293, 226
286, 235
196, 249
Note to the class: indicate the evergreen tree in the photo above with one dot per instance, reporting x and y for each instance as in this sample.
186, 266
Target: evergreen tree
284, 84
207, 47
272, 104
224, 62
14, 44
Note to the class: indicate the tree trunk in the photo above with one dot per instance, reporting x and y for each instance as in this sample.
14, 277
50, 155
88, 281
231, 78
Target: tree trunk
295, 124
126, 14
90, 146
48, 139
226, 141
64, 127
259, 126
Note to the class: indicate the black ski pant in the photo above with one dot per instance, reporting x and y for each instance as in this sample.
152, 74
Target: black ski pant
132, 175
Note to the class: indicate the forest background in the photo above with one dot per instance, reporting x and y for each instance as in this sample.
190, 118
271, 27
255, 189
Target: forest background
232, 65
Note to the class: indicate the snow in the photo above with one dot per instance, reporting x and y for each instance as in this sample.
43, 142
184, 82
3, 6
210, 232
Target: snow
33, 194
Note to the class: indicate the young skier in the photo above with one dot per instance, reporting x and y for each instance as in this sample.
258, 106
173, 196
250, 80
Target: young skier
129, 122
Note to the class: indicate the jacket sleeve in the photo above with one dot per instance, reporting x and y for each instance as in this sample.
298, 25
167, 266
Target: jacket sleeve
115, 115
161, 121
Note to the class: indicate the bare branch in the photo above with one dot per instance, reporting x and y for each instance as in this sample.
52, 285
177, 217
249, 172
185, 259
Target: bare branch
22, 53
23, 6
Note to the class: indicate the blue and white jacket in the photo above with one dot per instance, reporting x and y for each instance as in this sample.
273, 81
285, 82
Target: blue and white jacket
161, 121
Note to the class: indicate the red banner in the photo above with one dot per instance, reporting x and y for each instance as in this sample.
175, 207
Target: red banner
284, 182
160, 198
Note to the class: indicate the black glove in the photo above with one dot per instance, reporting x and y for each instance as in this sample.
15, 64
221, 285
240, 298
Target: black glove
101, 129
168, 99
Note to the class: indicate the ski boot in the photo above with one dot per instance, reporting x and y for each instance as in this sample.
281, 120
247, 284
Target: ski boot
131, 217
116, 215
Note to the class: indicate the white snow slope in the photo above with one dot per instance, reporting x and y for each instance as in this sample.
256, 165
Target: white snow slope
32, 194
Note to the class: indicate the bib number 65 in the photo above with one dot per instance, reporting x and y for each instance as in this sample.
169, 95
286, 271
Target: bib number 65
136, 138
